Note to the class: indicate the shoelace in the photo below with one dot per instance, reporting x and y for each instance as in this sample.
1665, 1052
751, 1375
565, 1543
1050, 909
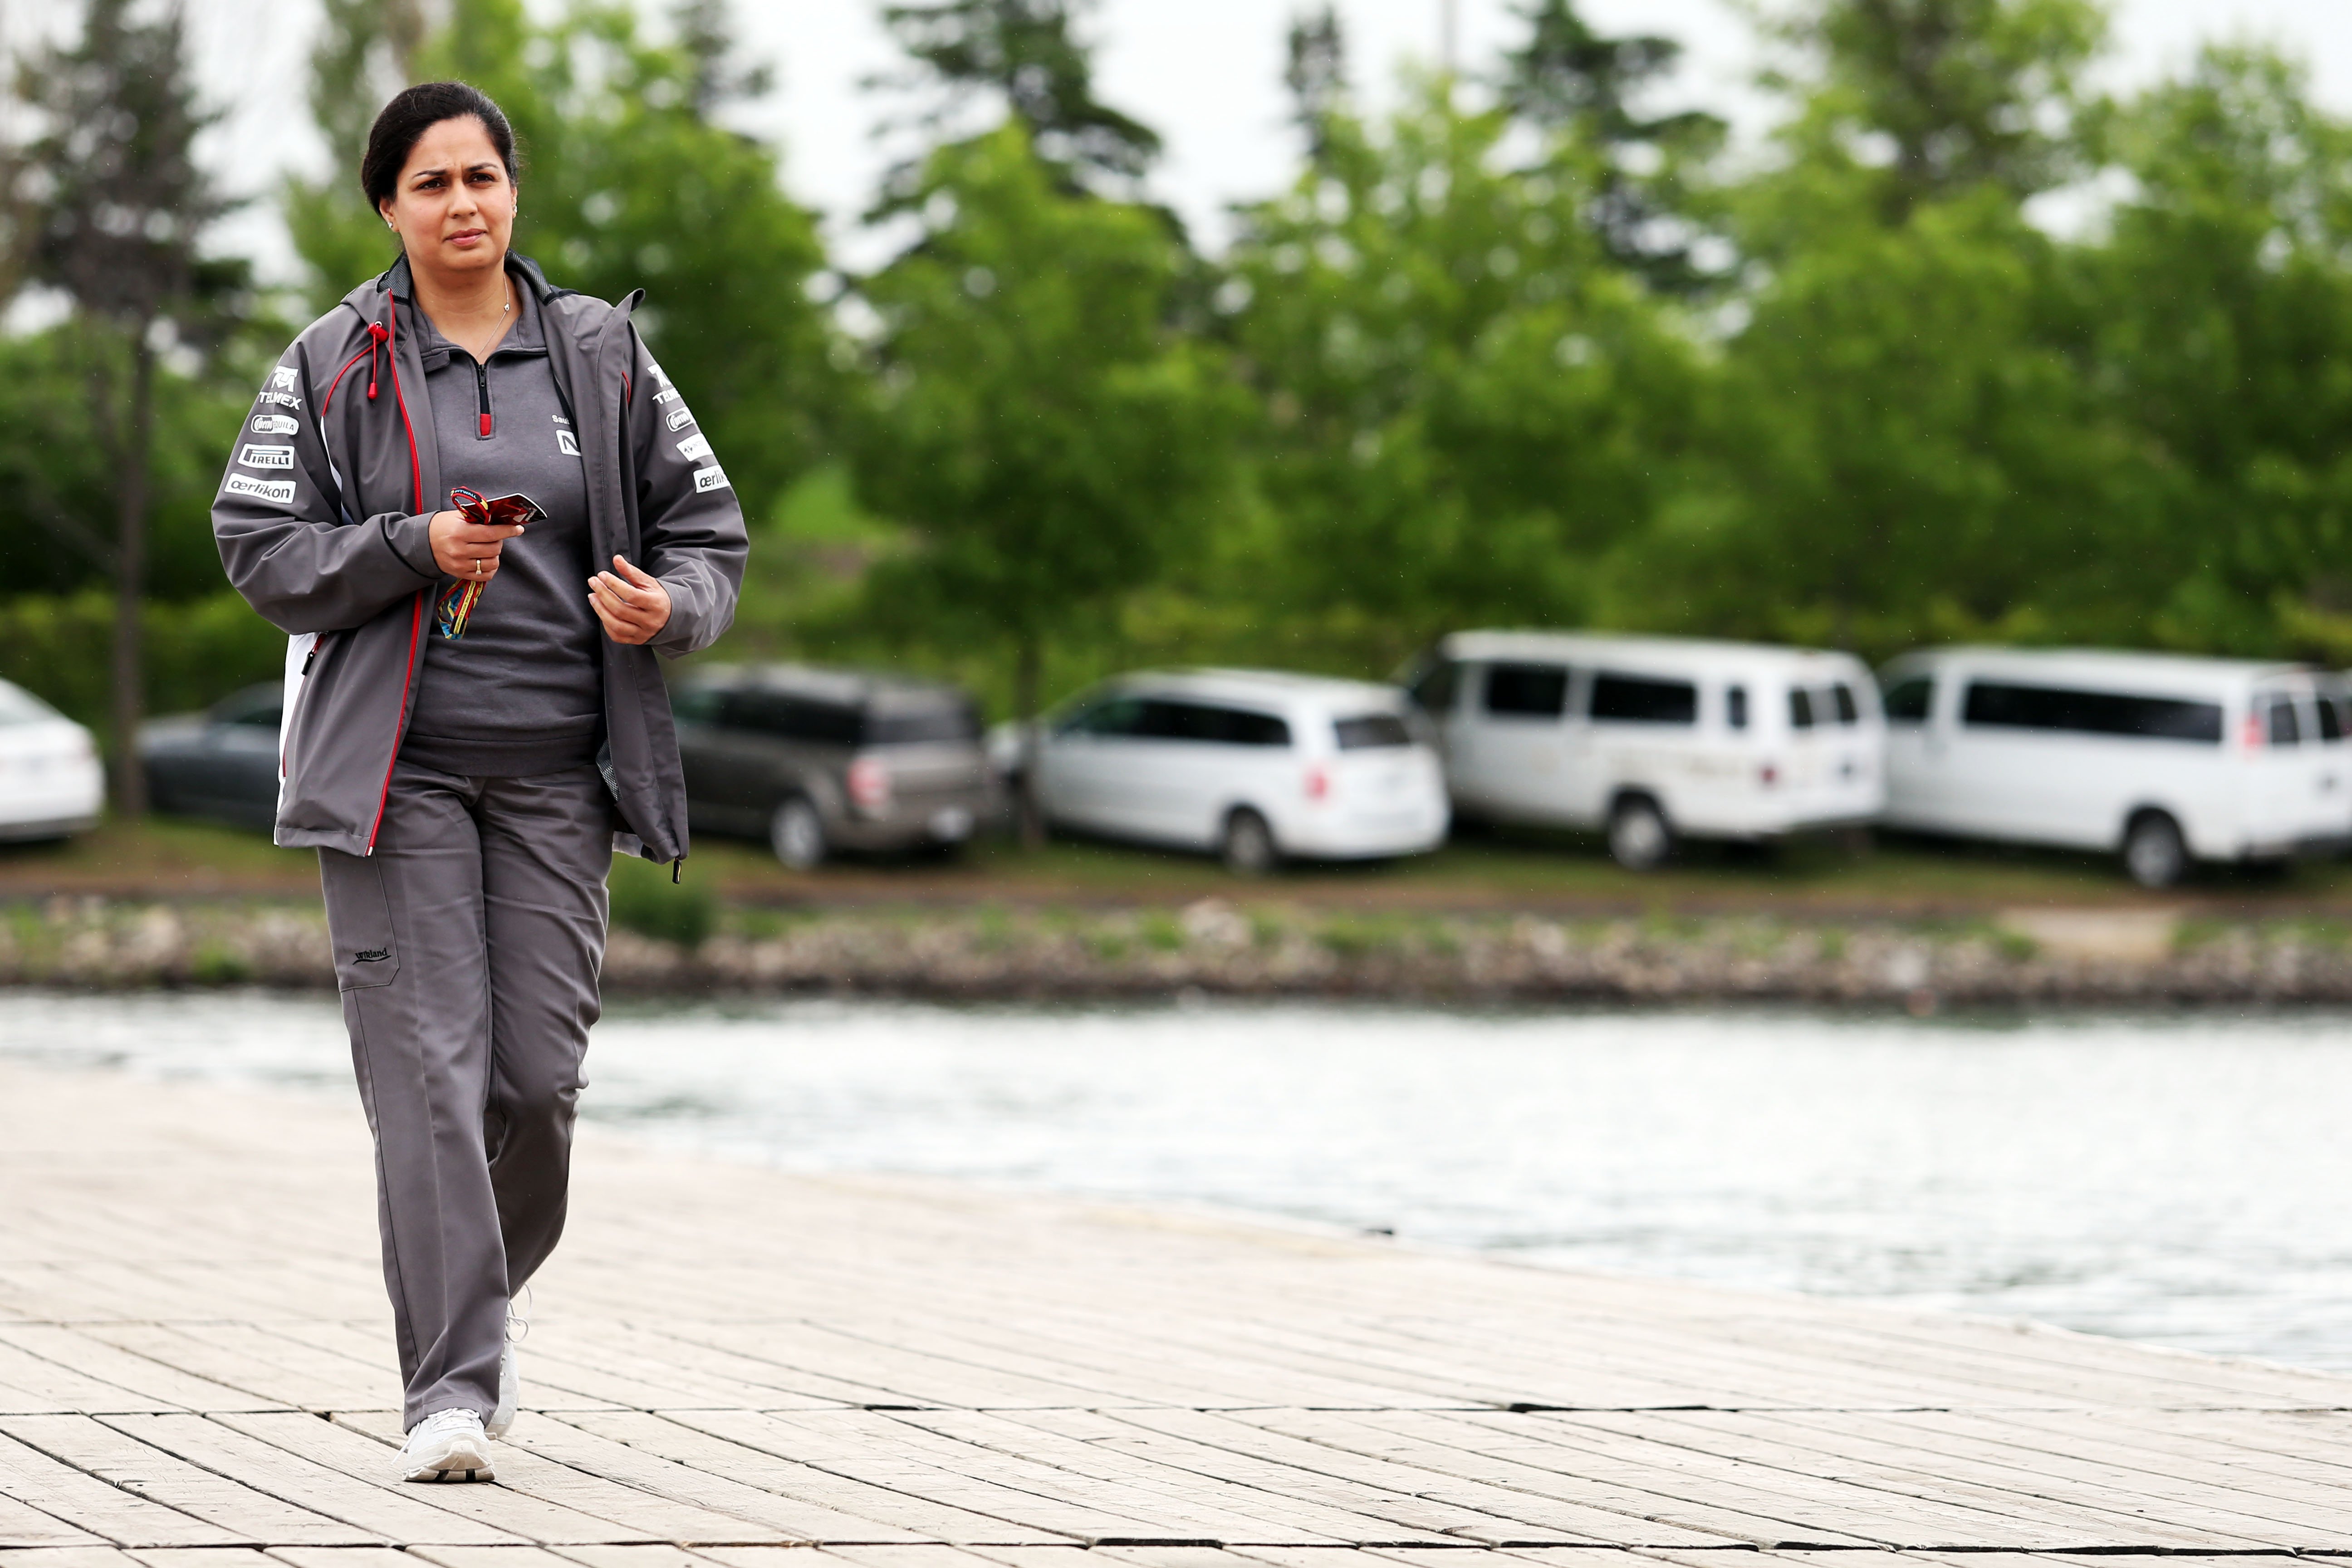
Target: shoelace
518, 1323
441, 1421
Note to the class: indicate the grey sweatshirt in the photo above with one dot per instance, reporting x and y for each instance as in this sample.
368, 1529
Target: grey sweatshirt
523, 690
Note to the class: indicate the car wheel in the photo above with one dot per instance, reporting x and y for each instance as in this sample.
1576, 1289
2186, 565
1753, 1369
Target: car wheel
1249, 849
796, 833
2154, 852
1639, 837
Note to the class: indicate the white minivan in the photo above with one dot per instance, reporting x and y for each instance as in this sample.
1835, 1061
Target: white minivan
1652, 738
2162, 757
51, 783
1254, 765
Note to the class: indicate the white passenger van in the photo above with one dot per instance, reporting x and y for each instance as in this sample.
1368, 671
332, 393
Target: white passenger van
2164, 758
1255, 765
1654, 738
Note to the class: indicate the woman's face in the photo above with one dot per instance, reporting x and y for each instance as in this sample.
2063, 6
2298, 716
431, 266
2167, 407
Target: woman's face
453, 207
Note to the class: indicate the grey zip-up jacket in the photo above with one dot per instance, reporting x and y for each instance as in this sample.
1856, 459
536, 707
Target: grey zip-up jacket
321, 522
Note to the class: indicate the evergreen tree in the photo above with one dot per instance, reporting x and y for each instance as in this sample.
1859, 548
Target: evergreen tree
114, 210
1315, 72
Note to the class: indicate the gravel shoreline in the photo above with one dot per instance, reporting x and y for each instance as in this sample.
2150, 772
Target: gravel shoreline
1213, 947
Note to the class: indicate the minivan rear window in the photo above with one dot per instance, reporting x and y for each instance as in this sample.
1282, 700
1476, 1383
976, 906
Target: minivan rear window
1800, 707
1639, 699
1527, 691
2331, 719
1848, 711
1369, 730
2004, 705
2285, 728
947, 722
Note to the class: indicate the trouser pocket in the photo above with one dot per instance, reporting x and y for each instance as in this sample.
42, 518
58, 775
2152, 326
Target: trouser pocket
358, 920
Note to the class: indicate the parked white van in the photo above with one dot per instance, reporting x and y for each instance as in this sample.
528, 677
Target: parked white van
1254, 765
1654, 738
2164, 758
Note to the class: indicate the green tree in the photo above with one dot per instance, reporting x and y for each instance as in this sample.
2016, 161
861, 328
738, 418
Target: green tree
116, 211
366, 50
629, 179
1468, 402
1025, 54
2219, 308
1049, 440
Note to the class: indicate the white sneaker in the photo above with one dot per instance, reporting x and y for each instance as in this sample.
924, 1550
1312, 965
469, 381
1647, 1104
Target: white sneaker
446, 1446
510, 1384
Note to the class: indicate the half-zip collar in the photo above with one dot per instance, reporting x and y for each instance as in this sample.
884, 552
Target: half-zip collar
527, 339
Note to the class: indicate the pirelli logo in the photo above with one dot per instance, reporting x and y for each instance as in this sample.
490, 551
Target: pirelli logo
711, 479
278, 491
267, 457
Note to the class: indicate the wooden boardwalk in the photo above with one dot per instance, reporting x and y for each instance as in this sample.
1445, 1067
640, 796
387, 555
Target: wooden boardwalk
729, 1365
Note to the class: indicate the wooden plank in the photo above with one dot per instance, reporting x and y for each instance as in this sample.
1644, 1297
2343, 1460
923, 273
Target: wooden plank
1431, 1441
757, 1457
1041, 1505
71, 1557
507, 1557
205, 1557
242, 1357
51, 1502
384, 1507
246, 1516
634, 1515
342, 1556
784, 1517
141, 1376
501, 1509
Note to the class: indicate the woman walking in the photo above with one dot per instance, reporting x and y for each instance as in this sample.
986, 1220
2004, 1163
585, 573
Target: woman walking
481, 508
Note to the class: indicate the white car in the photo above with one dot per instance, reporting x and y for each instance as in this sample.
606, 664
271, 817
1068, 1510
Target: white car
51, 785
2163, 758
1652, 739
1254, 765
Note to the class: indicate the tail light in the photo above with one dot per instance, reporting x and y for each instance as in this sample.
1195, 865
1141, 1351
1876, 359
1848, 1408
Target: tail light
1318, 782
869, 785
1768, 774
2253, 732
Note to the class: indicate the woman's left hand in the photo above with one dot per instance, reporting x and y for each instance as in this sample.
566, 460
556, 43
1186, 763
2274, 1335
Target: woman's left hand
632, 604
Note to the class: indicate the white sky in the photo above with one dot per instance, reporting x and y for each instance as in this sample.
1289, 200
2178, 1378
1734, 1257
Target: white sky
1205, 73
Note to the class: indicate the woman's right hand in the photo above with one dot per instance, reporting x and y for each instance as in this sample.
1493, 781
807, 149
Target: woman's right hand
468, 550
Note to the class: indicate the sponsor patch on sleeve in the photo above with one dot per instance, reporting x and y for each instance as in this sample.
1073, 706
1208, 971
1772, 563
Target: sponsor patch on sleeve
283, 399
694, 447
274, 424
679, 417
282, 378
711, 479
278, 491
654, 369
267, 457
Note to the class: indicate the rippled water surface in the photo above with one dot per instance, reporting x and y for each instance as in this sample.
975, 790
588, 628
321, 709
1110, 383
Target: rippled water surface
2188, 1181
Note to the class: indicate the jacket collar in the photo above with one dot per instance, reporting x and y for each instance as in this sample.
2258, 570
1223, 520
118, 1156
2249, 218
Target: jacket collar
368, 299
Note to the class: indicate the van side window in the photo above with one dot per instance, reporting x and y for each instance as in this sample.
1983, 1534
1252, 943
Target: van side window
1527, 691
2331, 719
1848, 711
1437, 686
2002, 705
1909, 701
1119, 716
2284, 728
1638, 699
1165, 720
1735, 707
1800, 707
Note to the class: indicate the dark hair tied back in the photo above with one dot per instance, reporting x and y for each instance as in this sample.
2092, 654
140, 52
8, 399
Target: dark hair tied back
411, 113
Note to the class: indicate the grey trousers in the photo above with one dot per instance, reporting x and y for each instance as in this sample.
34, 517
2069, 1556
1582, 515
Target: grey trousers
467, 948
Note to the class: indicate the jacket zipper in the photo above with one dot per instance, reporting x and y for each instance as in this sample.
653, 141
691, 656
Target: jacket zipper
482, 395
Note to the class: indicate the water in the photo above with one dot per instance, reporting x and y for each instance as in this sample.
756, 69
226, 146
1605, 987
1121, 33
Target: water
2182, 1181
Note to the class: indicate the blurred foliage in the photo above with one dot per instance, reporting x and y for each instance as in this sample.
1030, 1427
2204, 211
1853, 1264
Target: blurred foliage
646, 902
194, 651
1966, 350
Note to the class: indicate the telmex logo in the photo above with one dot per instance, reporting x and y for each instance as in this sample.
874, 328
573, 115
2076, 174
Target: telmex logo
273, 425
679, 417
267, 457
278, 491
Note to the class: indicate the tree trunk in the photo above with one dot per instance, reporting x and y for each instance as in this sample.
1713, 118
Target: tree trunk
1025, 680
130, 580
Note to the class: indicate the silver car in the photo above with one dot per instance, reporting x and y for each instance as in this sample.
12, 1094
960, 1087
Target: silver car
816, 760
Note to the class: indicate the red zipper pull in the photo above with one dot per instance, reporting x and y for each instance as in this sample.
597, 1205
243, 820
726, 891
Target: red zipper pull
376, 335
